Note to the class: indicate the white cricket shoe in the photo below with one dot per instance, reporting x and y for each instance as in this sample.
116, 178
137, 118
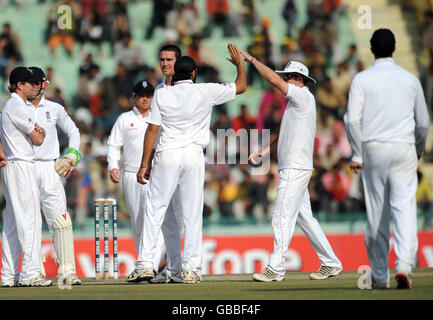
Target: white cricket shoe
36, 281
190, 277
325, 272
139, 275
9, 284
75, 281
267, 275
164, 277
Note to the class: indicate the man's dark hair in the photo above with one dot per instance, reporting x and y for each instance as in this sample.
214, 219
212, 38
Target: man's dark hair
173, 48
382, 43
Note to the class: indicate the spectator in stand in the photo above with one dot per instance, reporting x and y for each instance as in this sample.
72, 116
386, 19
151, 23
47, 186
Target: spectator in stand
152, 77
244, 120
273, 121
227, 195
338, 140
222, 121
246, 15
337, 184
342, 80
328, 98
319, 73
315, 187
89, 90
183, 18
329, 157
259, 49
218, 14
424, 193
119, 27
204, 58
14, 46
353, 60
272, 98
91, 29
290, 14
160, 11
55, 83
324, 124
121, 84
289, 50
326, 37
129, 53
427, 30
66, 37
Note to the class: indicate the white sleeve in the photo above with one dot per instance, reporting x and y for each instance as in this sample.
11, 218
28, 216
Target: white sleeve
353, 119
115, 143
22, 118
221, 93
297, 96
422, 120
68, 126
154, 115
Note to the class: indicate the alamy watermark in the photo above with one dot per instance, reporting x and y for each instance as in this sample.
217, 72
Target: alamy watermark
365, 17
364, 281
64, 22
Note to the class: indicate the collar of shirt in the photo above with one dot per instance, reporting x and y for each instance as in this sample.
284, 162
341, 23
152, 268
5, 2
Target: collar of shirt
383, 60
138, 114
20, 100
184, 81
42, 102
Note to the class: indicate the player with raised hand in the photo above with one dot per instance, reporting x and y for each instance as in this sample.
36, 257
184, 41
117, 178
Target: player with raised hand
48, 171
179, 160
295, 165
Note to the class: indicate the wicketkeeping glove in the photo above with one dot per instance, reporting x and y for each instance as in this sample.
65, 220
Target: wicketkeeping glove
67, 163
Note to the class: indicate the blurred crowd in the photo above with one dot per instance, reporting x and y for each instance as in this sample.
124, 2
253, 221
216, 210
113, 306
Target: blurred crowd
230, 190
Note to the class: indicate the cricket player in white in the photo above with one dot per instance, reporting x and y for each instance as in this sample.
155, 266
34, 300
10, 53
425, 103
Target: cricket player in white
295, 165
183, 112
387, 124
128, 133
22, 221
49, 115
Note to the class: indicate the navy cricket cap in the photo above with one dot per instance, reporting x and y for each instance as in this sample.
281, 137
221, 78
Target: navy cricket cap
24, 74
185, 65
39, 74
143, 87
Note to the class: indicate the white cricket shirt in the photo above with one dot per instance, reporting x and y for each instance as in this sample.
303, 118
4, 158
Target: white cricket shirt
128, 132
297, 130
17, 122
184, 112
386, 104
48, 115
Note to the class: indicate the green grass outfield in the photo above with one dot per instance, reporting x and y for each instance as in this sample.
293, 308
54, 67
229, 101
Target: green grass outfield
232, 287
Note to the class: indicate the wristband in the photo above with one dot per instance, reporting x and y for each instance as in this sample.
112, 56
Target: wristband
75, 152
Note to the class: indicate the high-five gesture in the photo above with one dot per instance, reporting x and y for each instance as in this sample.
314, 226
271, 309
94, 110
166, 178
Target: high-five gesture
236, 59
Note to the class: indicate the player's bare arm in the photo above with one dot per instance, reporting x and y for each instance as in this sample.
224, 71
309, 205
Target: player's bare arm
255, 156
270, 75
236, 59
148, 144
3, 158
37, 135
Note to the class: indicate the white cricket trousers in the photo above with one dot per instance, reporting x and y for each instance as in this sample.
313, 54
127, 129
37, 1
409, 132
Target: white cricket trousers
22, 225
135, 198
292, 204
181, 168
51, 192
390, 183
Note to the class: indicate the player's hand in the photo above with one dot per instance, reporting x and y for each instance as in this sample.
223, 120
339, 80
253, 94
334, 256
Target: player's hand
235, 55
355, 166
67, 163
249, 58
141, 175
39, 129
255, 158
3, 160
115, 175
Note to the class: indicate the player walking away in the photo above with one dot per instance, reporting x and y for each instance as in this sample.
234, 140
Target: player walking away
128, 133
387, 124
48, 170
183, 112
22, 221
295, 165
